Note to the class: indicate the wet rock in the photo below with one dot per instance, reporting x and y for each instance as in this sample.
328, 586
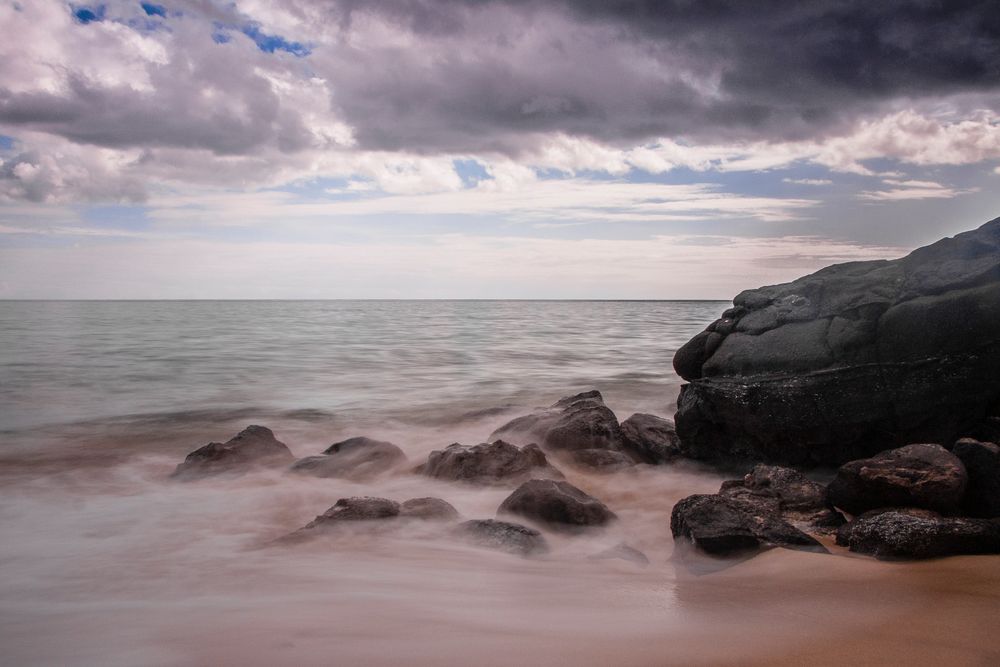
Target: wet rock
851, 360
650, 439
503, 536
357, 509
253, 447
601, 460
431, 509
901, 534
558, 505
982, 463
575, 422
492, 463
787, 493
356, 458
720, 526
923, 476
623, 552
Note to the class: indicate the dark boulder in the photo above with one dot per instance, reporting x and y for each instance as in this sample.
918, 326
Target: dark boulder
982, 463
558, 505
493, 463
923, 476
720, 526
601, 460
851, 360
356, 458
650, 439
357, 509
575, 422
901, 534
786, 493
503, 536
431, 509
253, 447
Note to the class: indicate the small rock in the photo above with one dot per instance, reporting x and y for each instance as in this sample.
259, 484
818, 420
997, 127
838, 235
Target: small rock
357, 509
650, 438
601, 460
924, 476
503, 536
624, 552
432, 509
902, 534
356, 458
982, 463
496, 462
721, 527
559, 505
253, 447
787, 492
575, 422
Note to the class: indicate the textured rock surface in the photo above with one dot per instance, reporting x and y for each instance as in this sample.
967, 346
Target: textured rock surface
558, 505
432, 509
503, 536
786, 493
922, 476
253, 447
904, 534
357, 509
650, 439
601, 460
493, 463
356, 458
721, 526
982, 463
575, 422
851, 360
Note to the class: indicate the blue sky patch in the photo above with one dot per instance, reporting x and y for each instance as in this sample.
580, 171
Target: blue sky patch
6, 143
153, 9
272, 43
87, 15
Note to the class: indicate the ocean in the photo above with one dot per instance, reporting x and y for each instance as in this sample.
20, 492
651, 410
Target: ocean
107, 561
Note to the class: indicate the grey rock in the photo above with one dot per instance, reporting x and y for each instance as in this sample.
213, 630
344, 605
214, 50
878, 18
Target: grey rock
253, 447
355, 458
922, 476
357, 509
786, 493
901, 534
720, 526
557, 505
850, 360
431, 509
497, 462
575, 422
503, 536
601, 460
650, 439
982, 463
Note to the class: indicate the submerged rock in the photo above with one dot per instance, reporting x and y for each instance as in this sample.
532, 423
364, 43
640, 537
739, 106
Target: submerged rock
432, 509
624, 552
787, 493
253, 447
601, 460
558, 505
503, 536
575, 422
923, 476
982, 463
903, 534
650, 439
355, 458
488, 463
720, 526
851, 360
357, 509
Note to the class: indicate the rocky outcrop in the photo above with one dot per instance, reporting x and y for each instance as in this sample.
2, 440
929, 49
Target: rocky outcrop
721, 526
355, 458
503, 536
921, 476
784, 493
430, 509
253, 447
851, 360
982, 463
904, 534
650, 439
497, 462
557, 505
575, 422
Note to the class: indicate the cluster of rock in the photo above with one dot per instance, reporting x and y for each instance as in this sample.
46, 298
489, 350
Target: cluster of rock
917, 501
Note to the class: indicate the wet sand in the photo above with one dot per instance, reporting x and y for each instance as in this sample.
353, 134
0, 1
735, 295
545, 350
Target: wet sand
106, 562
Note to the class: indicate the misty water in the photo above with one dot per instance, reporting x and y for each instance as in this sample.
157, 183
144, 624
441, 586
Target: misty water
106, 561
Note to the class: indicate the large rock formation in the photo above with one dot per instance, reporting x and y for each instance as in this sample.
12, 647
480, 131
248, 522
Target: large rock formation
851, 360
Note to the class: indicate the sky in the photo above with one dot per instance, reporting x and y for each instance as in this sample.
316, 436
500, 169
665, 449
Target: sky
607, 149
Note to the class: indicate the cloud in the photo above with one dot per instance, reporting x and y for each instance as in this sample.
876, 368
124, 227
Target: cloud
807, 181
912, 189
